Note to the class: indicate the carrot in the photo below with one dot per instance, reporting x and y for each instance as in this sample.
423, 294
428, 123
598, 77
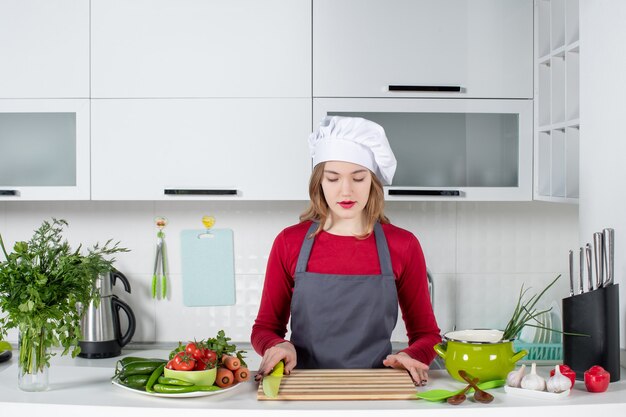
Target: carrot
230, 362
242, 374
224, 378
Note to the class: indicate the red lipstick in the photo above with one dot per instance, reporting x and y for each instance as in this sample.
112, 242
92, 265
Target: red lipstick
347, 204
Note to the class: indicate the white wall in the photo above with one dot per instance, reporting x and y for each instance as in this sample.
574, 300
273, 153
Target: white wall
602, 139
479, 254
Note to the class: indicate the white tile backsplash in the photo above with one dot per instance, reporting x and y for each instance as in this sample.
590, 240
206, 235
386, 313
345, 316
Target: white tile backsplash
478, 253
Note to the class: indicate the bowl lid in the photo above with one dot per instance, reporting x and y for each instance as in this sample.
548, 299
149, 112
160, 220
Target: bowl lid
476, 336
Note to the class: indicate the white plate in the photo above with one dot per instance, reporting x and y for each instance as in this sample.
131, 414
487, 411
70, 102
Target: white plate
115, 382
529, 393
556, 322
538, 321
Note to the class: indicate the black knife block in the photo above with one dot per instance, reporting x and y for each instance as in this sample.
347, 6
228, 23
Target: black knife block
596, 314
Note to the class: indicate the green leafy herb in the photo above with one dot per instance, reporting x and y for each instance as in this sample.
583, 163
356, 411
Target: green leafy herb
525, 312
41, 283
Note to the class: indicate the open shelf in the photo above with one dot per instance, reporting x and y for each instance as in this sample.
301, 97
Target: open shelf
557, 100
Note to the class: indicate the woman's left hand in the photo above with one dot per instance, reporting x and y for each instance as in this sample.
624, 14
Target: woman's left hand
417, 369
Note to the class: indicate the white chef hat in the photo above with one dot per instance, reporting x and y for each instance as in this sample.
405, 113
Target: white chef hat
356, 140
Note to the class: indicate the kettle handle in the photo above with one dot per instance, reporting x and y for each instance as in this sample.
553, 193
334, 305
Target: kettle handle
115, 274
117, 305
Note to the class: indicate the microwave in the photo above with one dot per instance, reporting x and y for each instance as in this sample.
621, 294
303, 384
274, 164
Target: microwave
450, 149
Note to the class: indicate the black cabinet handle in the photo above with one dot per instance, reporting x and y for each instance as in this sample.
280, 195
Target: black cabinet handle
439, 193
9, 193
177, 191
422, 88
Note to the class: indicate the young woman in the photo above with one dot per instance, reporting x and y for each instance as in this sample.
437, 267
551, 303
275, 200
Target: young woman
341, 272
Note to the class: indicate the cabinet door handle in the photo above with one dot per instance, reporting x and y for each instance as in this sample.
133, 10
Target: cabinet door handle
9, 193
422, 88
439, 193
212, 191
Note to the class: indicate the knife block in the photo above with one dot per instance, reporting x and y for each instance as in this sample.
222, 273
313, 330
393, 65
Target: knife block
596, 314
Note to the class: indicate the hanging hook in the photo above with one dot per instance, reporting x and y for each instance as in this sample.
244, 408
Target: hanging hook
208, 222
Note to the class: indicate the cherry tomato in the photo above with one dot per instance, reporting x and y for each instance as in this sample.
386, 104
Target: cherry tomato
209, 356
597, 379
201, 365
183, 362
193, 350
170, 364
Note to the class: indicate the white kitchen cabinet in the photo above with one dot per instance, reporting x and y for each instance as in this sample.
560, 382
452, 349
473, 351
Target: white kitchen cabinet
200, 48
44, 49
196, 149
557, 103
44, 149
450, 149
423, 48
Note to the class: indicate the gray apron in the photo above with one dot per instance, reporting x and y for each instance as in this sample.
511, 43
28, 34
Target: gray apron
343, 321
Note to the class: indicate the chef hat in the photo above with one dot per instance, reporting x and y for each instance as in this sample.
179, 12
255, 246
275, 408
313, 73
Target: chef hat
356, 140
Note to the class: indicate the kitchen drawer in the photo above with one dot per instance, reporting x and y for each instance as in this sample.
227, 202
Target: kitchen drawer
198, 149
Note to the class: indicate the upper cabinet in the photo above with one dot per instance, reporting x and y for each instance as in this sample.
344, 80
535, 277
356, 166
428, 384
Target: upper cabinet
44, 49
423, 48
450, 149
190, 149
200, 48
44, 149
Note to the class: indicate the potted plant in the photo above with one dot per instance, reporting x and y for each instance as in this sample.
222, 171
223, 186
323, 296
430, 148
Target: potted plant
41, 282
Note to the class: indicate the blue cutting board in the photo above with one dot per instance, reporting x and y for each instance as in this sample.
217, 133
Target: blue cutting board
208, 268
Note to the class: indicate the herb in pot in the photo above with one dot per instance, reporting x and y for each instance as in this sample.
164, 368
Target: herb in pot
41, 282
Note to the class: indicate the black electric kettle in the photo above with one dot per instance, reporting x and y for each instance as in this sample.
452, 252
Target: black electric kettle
101, 331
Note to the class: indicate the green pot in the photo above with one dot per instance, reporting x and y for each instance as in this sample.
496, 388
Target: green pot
481, 353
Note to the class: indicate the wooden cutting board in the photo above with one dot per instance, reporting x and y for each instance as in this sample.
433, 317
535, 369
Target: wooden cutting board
344, 384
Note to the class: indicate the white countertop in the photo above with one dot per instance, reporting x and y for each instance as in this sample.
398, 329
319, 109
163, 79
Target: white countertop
82, 387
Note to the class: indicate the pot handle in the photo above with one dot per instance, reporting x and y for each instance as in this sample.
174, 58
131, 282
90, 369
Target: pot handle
439, 348
519, 355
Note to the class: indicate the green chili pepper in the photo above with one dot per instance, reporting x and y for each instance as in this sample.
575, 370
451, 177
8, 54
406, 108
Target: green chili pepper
178, 389
122, 363
173, 381
140, 368
153, 378
135, 381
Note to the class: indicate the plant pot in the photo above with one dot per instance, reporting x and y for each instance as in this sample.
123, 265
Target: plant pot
32, 361
481, 353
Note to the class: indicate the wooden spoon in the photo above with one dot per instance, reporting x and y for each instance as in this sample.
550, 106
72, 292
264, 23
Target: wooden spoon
460, 397
479, 395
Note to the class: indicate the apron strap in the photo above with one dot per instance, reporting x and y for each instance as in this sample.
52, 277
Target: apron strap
383, 251
305, 250
384, 258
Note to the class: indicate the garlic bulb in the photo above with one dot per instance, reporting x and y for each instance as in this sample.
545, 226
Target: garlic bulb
558, 382
533, 381
514, 378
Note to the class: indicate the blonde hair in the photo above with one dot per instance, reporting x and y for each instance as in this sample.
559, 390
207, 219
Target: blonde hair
319, 211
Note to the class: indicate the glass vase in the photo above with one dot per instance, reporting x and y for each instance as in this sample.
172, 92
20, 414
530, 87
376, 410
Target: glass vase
33, 359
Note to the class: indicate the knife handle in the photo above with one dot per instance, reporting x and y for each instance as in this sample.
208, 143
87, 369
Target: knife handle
609, 253
598, 246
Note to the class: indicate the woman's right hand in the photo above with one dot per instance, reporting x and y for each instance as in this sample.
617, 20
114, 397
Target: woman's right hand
284, 351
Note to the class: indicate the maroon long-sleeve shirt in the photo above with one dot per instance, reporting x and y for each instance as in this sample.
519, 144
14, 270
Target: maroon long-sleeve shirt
347, 255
